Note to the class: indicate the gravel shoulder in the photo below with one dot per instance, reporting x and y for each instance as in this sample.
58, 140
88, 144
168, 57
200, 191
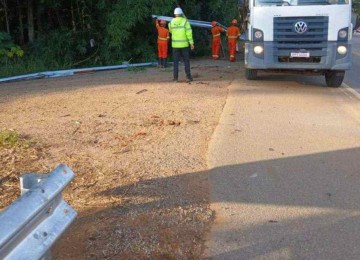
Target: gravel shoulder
137, 144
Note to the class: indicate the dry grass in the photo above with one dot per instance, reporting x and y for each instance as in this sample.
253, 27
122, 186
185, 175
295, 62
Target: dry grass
17, 154
139, 156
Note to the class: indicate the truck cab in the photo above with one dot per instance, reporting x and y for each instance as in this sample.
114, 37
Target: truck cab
303, 36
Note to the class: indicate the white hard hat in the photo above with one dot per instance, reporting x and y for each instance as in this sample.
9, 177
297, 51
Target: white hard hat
178, 11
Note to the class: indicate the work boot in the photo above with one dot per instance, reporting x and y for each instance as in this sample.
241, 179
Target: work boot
189, 79
162, 63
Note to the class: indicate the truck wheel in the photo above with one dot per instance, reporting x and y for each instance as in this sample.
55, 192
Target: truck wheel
250, 74
334, 78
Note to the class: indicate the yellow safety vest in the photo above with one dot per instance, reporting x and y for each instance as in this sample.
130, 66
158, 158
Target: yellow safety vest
181, 33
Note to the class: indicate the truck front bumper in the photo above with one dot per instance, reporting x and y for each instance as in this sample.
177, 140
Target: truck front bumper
269, 60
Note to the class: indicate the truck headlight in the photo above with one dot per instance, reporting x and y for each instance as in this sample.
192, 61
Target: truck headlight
342, 50
258, 49
258, 34
342, 34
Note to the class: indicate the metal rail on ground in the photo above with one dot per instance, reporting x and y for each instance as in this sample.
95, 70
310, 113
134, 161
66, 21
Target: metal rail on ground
195, 23
62, 73
31, 225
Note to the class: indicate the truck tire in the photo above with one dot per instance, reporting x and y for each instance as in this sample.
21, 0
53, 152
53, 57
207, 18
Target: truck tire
250, 74
334, 78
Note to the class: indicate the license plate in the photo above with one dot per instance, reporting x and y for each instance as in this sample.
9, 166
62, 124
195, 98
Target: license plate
300, 55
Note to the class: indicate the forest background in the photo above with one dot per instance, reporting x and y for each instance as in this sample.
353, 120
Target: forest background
41, 35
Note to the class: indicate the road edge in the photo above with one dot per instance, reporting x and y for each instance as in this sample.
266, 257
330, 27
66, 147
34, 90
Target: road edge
210, 166
349, 89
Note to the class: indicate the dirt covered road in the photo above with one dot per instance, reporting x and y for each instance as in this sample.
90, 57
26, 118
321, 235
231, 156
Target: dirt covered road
137, 143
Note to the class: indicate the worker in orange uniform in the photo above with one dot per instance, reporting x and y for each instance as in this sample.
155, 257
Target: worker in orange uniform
163, 39
233, 34
216, 39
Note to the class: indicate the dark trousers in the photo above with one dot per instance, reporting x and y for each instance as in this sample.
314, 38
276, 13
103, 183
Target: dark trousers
185, 54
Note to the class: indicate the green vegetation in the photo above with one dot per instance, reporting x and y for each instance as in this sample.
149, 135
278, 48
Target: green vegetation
356, 10
356, 6
39, 35
9, 139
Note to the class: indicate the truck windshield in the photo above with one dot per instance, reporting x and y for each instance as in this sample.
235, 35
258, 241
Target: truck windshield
299, 2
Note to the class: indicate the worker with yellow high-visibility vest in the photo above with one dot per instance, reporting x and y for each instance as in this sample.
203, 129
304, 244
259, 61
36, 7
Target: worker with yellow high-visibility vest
181, 39
233, 34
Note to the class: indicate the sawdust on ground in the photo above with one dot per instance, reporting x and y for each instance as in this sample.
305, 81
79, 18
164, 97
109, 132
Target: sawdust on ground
137, 144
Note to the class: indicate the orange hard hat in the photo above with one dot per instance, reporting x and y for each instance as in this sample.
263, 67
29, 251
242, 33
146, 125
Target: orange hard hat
163, 22
234, 21
213, 23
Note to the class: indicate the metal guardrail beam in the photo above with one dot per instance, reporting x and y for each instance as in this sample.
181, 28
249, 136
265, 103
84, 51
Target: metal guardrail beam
31, 225
70, 72
195, 23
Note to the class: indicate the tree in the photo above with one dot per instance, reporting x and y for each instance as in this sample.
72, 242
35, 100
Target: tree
21, 25
60, 31
8, 49
4, 4
356, 7
30, 13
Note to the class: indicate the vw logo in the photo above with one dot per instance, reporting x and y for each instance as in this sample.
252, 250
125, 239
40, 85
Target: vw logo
300, 27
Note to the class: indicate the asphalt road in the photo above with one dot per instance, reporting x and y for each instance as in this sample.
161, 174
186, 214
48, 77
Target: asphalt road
285, 175
352, 77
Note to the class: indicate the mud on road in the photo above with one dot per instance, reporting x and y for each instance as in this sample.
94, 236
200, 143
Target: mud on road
137, 144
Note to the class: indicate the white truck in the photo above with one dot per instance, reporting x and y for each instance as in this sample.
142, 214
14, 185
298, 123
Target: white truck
306, 36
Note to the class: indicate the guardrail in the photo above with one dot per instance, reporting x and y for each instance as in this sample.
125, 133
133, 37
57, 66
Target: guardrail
70, 72
195, 23
31, 225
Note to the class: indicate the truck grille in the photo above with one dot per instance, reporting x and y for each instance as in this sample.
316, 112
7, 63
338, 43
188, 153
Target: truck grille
287, 40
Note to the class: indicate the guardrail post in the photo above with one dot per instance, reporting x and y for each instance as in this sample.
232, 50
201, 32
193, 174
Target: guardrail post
31, 225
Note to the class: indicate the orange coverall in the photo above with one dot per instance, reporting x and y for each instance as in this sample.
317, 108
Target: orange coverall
163, 38
216, 41
233, 34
